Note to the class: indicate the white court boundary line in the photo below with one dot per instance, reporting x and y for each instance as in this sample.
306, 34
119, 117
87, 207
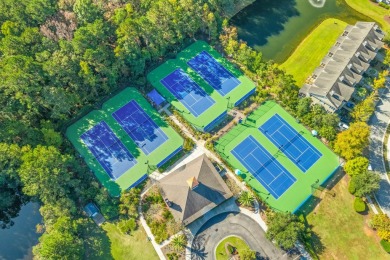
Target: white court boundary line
300, 137
258, 146
131, 158
138, 126
181, 100
215, 62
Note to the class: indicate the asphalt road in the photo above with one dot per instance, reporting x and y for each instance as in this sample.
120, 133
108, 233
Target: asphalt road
234, 224
378, 123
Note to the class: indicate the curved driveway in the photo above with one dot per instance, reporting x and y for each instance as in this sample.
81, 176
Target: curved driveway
378, 123
233, 224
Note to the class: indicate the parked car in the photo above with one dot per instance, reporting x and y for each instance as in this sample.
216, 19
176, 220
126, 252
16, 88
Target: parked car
93, 212
369, 167
343, 126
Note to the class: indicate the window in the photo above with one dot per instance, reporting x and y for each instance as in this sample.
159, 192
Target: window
357, 54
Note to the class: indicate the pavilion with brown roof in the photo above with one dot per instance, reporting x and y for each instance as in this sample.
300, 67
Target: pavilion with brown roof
193, 189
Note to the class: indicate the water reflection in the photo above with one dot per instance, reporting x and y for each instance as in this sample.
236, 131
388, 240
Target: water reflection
17, 241
317, 3
277, 27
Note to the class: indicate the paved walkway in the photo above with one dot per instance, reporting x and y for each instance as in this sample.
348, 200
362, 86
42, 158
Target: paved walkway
378, 123
234, 224
253, 216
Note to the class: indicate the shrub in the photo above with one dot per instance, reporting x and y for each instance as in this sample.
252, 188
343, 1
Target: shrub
366, 183
179, 243
188, 144
129, 202
359, 205
384, 5
381, 222
231, 249
159, 231
172, 256
107, 204
246, 199
356, 166
247, 255
352, 187
127, 226
385, 245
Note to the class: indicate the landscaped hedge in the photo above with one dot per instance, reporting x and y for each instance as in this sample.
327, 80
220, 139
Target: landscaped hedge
384, 5
127, 226
359, 205
352, 187
386, 245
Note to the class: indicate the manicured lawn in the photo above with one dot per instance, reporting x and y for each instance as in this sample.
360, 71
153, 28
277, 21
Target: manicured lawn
134, 246
372, 10
343, 233
107, 242
312, 49
237, 242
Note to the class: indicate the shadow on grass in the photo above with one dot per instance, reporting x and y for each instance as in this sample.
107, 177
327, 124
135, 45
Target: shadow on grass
326, 188
316, 243
96, 242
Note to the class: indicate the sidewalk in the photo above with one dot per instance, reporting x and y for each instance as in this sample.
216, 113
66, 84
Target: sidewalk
256, 216
378, 123
200, 149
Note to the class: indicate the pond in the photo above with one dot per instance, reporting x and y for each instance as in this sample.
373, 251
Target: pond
276, 27
17, 241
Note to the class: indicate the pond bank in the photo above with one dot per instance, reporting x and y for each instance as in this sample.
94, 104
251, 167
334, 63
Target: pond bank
309, 53
17, 241
276, 28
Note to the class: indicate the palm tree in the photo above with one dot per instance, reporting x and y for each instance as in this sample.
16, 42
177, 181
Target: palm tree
246, 199
179, 242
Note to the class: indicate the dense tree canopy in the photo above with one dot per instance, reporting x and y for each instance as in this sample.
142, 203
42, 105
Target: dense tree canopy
350, 143
365, 183
363, 110
10, 197
58, 59
61, 242
381, 222
356, 166
284, 229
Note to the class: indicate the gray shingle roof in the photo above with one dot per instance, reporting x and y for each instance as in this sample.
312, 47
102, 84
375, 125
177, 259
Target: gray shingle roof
341, 69
189, 204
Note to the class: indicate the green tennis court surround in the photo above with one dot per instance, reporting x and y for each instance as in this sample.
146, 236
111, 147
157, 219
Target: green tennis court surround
162, 144
229, 87
287, 193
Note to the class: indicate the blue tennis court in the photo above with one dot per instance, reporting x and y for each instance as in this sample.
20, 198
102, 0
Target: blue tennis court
108, 150
140, 127
193, 97
263, 166
213, 73
292, 143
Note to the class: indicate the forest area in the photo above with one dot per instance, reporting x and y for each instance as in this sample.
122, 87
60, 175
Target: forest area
60, 59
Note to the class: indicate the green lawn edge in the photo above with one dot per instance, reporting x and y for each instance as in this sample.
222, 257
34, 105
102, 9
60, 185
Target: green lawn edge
143, 161
302, 189
133, 246
239, 243
372, 10
309, 53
